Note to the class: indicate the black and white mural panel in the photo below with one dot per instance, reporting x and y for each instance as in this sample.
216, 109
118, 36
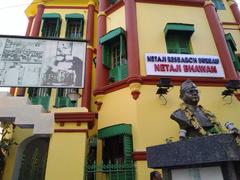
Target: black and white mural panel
31, 62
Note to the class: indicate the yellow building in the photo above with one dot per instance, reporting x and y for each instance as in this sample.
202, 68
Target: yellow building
131, 44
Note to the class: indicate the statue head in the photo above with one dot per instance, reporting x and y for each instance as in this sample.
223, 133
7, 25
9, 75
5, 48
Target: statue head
189, 92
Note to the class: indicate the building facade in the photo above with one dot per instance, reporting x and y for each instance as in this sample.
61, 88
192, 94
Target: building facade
131, 44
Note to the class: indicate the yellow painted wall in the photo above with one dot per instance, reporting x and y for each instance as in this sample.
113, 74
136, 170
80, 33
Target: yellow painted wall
118, 107
66, 156
154, 117
152, 19
116, 19
19, 135
142, 172
226, 14
150, 117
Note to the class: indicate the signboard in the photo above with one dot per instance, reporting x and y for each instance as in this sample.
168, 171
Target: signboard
37, 62
204, 173
183, 65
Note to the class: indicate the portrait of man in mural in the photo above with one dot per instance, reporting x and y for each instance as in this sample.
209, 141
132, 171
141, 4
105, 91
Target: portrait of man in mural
67, 68
192, 118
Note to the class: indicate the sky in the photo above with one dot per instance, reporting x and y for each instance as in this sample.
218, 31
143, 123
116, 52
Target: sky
13, 19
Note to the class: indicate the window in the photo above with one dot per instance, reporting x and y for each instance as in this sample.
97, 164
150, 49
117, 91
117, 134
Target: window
50, 28
75, 24
117, 151
114, 55
113, 150
232, 48
178, 38
117, 143
219, 4
62, 100
51, 25
40, 96
178, 43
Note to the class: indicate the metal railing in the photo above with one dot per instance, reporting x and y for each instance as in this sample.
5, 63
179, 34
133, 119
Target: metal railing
110, 171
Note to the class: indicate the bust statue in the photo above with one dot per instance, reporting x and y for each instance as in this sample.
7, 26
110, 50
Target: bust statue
192, 118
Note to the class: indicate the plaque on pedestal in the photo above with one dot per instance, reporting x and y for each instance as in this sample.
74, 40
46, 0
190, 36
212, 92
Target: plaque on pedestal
209, 154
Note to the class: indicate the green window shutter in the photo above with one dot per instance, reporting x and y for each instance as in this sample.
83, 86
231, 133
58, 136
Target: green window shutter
234, 57
183, 41
178, 37
113, 74
45, 101
70, 103
81, 28
51, 17
44, 28
106, 56
128, 148
111, 35
60, 100
36, 100
58, 28
232, 48
115, 130
123, 53
30, 92
77, 18
178, 42
60, 92
122, 71
172, 45
179, 27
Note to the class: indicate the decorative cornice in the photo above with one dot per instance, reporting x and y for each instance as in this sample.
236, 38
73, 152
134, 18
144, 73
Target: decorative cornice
139, 156
237, 29
69, 7
135, 90
152, 80
71, 130
99, 101
76, 117
230, 23
195, 3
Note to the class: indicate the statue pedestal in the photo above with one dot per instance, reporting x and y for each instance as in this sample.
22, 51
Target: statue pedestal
197, 158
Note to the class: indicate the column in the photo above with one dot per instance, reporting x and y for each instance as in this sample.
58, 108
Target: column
101, 71
38, 20
86, 94
29, 27
68, 145
219, 38
132, 40
235, 10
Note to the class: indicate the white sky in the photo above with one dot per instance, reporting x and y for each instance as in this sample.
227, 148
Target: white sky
13, 19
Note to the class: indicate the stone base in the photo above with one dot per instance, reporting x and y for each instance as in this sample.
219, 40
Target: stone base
198, 151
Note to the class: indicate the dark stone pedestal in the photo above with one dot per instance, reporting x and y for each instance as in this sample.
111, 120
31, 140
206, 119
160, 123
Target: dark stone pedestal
217, 150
